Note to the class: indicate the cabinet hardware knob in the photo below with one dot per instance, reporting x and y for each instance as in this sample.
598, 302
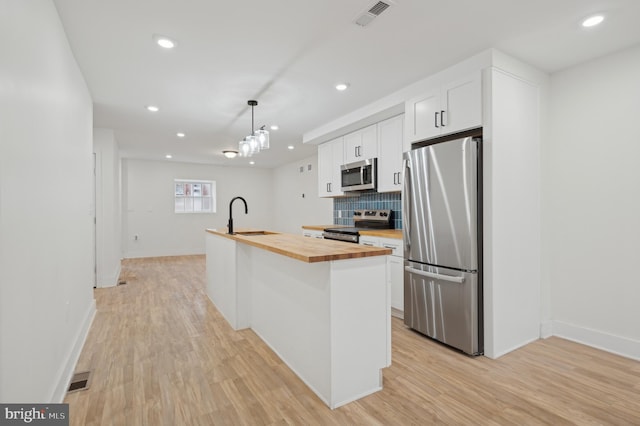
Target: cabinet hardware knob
442, 118
436, 123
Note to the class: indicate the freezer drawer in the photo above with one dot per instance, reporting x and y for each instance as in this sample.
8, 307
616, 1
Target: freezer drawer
443, 304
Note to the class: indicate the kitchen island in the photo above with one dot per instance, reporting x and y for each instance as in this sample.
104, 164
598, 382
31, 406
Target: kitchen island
322, 306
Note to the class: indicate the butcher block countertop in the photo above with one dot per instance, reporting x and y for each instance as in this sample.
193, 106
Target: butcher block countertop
305, 249
384, 233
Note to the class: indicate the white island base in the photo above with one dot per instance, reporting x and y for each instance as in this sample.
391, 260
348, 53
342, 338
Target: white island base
328, 321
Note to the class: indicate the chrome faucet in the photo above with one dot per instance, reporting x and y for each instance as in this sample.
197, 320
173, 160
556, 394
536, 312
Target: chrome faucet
246, 211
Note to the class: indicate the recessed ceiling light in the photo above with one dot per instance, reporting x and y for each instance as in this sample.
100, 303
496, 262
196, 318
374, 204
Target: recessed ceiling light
252, 162
180, 135
164, 41
342, 86
592, 21
152, 108
274, 127
168, 156
290, 147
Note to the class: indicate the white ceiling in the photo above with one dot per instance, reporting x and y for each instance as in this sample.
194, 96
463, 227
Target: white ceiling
289, 54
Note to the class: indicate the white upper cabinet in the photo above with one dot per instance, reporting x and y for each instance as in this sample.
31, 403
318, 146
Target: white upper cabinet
390, 136
422, 112
330, 158
361, 145
449, 108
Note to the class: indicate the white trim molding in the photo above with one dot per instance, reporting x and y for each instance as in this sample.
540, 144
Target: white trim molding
619, 345
74, 354
546, 329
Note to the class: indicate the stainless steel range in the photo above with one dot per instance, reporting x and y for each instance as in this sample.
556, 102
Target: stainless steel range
362, 220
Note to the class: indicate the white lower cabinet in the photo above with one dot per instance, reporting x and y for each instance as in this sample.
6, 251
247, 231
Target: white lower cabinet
370, 241
395, 277
312, 233
395, 271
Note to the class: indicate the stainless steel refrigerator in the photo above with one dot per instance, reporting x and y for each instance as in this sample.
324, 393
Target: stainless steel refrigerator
442, 231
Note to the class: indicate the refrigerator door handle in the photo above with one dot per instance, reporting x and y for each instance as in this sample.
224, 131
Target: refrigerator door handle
411, 270
406, 204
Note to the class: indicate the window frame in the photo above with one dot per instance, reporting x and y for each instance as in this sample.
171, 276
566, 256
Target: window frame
188, 195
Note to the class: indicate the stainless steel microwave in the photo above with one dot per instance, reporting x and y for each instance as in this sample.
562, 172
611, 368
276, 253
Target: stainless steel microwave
359, 176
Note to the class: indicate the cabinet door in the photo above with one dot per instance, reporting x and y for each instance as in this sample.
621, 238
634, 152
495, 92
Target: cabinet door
390, 134
337, 161
361, 144
395, 278
329, 161
423, 116
352, 143
462, 104
369, 241
312, 233
368, 142
325, 161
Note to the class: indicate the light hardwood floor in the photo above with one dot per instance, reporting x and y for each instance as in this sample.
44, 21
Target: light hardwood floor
161, 354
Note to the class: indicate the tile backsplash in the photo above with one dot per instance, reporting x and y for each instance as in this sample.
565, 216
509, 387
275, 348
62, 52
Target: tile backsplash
343, 207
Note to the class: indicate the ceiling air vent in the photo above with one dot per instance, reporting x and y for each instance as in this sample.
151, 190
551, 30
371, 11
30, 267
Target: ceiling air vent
365, 18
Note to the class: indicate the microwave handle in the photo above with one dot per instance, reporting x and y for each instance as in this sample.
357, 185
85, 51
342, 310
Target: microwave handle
361, 175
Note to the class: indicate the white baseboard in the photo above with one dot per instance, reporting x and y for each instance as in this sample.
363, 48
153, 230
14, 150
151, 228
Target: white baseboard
607, 342
163, 253
546, 329
74, 354
495, 355
112, 279
397, 313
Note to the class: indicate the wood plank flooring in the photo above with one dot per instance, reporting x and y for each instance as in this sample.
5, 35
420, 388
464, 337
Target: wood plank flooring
161, 354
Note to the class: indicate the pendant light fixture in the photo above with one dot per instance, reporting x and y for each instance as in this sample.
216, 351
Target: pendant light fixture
257, 140
263, 137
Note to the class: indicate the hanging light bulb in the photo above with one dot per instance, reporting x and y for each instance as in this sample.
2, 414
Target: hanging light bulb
263, 137
245, 150
254, 145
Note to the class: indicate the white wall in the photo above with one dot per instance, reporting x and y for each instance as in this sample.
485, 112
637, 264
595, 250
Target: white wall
296, 200
591, 203
108, 211
148, 205
46, 211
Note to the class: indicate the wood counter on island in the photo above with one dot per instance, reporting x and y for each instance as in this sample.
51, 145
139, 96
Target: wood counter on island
323, 306
301, 248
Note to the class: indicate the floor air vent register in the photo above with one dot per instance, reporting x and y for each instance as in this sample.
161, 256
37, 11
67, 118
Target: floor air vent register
80, 381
